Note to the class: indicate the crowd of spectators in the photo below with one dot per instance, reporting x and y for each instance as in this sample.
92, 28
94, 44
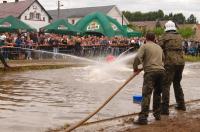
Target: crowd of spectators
78, 45
40, 39
56, 42
191, 48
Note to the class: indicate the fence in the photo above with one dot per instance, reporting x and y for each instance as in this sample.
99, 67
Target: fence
46, 51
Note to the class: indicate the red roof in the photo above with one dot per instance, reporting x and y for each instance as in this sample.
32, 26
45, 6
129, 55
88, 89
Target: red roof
198, 26
148, 24
14, 8
197, 35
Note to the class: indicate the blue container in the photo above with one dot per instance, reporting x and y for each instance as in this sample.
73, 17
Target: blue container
137, 99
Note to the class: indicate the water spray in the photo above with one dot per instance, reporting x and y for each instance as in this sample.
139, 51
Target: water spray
106, 102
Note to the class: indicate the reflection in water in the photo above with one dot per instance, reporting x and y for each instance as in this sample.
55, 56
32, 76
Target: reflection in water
38, 100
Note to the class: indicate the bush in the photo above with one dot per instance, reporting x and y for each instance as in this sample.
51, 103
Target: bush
191, 58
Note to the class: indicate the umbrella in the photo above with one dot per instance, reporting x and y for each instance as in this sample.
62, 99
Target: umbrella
131, 32
61, 26
98, 23
12, 24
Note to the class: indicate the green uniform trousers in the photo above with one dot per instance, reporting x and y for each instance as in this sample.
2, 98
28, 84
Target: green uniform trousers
173, 74
152, 82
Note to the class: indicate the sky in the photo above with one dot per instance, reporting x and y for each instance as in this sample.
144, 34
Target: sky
186, 7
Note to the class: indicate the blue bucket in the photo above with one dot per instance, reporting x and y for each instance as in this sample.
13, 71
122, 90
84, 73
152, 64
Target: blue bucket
137, 99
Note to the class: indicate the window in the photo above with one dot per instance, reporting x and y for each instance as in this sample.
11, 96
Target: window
31, 15
50, 20
34, 7
38, 16
43, 18
25, 17
73, 21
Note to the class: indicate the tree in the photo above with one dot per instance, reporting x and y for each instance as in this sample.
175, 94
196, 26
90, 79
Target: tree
186, 32
160, 14
158, 31
192, 19
127, 14
179, 18
158, 24
166, 17
171, 16
137, 16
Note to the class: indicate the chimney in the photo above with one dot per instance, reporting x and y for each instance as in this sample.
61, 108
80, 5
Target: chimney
4, 1
16, 1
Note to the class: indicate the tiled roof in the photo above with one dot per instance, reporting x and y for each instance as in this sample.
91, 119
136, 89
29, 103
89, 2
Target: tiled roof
14, 8
79, 12
148, 24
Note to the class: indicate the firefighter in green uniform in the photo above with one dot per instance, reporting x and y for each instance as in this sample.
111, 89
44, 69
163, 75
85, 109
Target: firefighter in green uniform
171, 43
152, 58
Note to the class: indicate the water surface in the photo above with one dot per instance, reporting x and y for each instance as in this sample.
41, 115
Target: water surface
36, 100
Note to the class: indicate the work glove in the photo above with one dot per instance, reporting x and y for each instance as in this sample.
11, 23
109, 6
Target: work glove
137, 71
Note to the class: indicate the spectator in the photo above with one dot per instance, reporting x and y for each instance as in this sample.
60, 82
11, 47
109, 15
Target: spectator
18, 41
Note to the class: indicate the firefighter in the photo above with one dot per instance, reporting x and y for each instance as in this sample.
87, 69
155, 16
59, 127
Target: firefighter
171, 43
151, 56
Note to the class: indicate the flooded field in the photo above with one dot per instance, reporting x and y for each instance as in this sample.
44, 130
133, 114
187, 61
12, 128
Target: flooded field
38, 100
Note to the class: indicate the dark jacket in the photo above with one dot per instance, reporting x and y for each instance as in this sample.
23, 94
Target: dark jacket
171, 43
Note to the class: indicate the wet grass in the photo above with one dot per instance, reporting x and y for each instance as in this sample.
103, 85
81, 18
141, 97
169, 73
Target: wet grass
190, 58
25, 68
22, 68
25, 65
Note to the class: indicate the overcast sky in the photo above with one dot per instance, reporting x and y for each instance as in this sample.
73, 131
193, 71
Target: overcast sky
186, 7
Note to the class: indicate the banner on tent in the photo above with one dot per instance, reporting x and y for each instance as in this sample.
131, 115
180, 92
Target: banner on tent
93, 26
129, 30
114, 27
5, 24
62, 27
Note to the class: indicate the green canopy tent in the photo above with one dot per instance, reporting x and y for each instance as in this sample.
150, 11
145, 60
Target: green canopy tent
131, 33
101, 24
61, 26
12, 24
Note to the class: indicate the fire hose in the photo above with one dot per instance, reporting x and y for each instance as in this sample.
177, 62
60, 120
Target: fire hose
106, 102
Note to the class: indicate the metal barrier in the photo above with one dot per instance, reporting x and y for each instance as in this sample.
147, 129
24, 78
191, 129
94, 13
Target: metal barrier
34, 52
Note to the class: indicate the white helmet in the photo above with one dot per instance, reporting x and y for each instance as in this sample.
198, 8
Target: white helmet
170, 26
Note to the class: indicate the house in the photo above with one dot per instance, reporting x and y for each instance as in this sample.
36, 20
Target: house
29, 11
75, 14
197, 33
150, 25
147, 25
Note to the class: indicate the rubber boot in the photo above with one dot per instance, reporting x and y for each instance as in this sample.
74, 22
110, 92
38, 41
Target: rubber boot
141, 121
180, 107
157, 117
164, 110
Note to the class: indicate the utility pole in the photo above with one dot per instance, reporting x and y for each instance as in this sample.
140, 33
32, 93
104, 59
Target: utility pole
59, 5
58, 9
122, 19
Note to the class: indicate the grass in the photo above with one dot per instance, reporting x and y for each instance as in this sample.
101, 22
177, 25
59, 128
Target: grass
190, 58
36, 67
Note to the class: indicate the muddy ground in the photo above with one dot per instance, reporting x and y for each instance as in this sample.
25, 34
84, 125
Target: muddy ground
177, 121
182, 122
